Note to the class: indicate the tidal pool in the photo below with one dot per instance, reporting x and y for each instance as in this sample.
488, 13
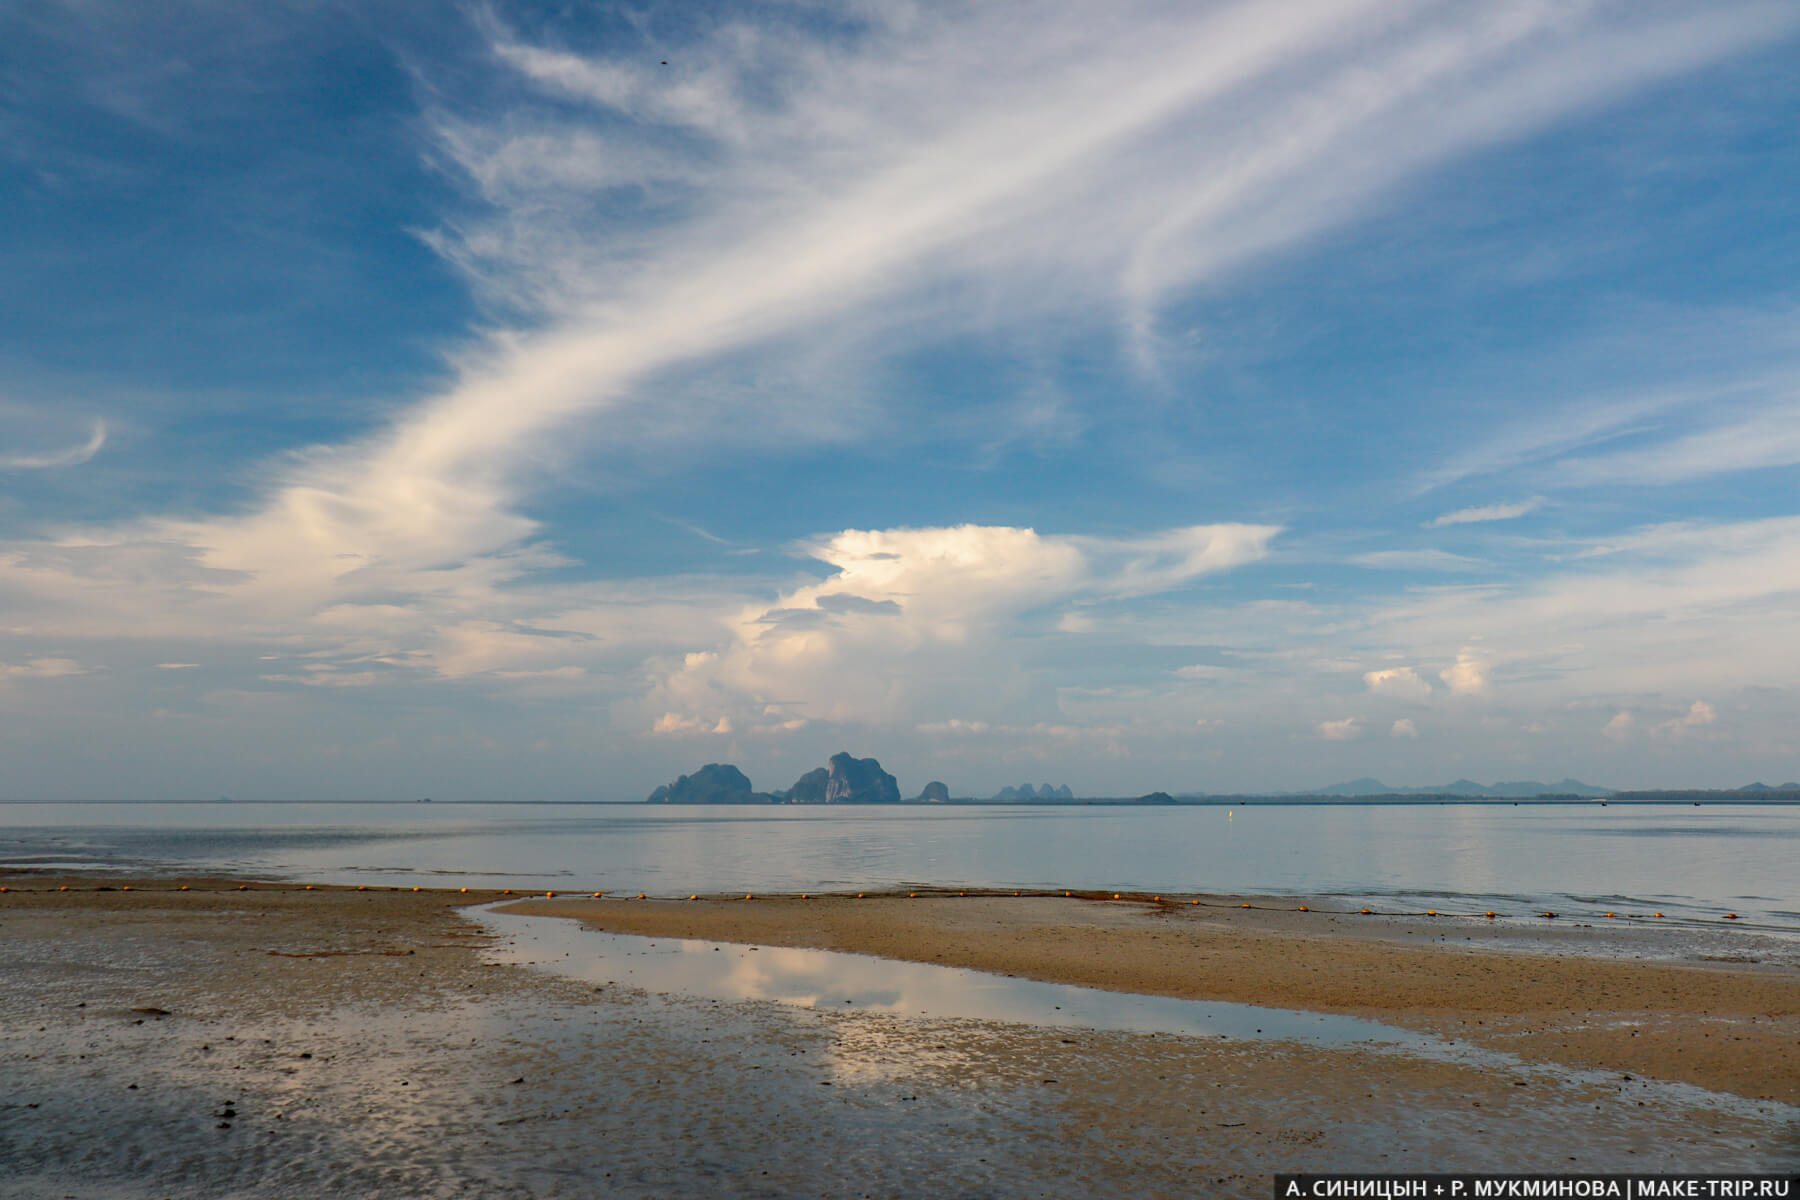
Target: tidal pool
830, 981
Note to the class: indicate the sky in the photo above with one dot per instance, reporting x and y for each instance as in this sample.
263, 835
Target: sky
512, 401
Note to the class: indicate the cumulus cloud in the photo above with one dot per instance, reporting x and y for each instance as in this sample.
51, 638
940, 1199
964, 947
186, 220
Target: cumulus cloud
1404, 728
1699, 715
1620, 727
1402, 683
912, 619
675, 723
1345, 730
1467, 676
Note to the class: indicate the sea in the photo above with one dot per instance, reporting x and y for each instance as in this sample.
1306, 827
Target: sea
1691, 864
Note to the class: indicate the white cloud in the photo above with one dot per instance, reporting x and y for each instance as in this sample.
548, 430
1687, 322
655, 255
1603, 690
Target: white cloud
42, 668
1620, 727
1345, 730
1404, 728
1402, 683
911, 620
1418, 560
1467, 676
1491, 512
176, 666
74, 456
955, 725
1699, 715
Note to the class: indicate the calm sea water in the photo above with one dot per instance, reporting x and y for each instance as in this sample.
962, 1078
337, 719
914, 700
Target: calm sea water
1692, 862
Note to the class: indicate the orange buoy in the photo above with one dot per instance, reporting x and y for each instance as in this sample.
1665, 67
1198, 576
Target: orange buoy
804, 896
748, 896
640, 895
506, 891
126, 888
361, 887
549, 895
418, 889
1157, 899
463, 890
1068, 893
1610, 916
244, 887
1243, 906
65, 887
1550, 915
1115, 895
1303, 908
1365, 912
912, 895
1731, 916
596, 895
1490, 916
1431, 912
309, 887
184, 887
1658, 914
693, 897
1196, 902
859, 895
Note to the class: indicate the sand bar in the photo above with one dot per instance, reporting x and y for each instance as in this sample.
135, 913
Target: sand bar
1697, 1013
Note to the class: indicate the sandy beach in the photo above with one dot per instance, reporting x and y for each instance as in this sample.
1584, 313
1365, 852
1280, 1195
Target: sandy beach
238, 1039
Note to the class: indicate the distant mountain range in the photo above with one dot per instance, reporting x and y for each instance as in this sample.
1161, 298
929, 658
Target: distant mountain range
1465, 787
1026, 792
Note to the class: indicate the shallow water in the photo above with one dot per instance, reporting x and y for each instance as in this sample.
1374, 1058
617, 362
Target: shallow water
838, 982
1694, 864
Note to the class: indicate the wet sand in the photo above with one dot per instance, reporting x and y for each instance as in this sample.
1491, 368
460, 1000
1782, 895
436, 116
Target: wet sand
338, 1042
1720, 1010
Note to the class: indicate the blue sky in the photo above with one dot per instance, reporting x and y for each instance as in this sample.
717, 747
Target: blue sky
513, 401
